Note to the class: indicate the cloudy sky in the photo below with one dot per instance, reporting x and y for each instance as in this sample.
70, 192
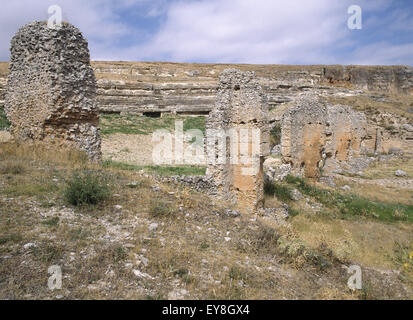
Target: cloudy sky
229, 31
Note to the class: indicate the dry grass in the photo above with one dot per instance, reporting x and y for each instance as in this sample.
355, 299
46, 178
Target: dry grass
365, 242
395, 103
370, 190
388, 169
4, 69
108, 252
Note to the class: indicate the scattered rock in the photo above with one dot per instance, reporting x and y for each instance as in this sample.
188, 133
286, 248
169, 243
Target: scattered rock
279, 214
346, 188
276, 150
153, 227
142, 275
296, 195
156, 188
408, 127
29, 245
400, 173
396, 151
177, 294
133, 185
232, 213
328, 181
278, 173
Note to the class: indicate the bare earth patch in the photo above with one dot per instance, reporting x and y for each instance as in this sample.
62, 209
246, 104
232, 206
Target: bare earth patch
5, 136
128, 148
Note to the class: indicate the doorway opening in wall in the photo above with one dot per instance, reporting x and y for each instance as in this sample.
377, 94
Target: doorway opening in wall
193, 113
152, 114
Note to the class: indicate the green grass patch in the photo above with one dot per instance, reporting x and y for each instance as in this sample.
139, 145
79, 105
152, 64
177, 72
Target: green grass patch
4, 122
161, 170
354, 205
52, 222
136, 124
30, 189
281, 191
275, 135
47, 253
10, 238
87, 188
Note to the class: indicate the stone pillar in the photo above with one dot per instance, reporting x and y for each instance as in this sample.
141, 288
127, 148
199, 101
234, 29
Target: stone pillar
238, 139
51, 93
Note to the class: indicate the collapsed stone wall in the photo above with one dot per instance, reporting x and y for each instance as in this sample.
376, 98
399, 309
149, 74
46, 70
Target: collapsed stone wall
51, 92
241, 107
318, 137
388, 133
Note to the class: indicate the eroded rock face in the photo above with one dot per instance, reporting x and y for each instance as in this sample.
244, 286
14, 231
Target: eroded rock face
240, 111
51, 92
316, 136
396, 79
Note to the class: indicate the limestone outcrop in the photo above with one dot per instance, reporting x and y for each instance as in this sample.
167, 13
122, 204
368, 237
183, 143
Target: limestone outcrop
238, 139
51, 92
396, 79
191, 88
319, 137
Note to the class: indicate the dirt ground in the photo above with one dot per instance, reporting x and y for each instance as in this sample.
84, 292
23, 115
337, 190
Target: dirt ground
131, 149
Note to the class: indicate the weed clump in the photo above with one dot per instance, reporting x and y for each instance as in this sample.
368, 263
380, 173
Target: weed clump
280, 191
275, 135
87, 188
4, 122
160, 209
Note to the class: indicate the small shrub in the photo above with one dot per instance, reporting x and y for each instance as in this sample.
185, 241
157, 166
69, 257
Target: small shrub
47, 253
204, 245
159, 209
87, 188
11, 238
14, 168
275, 135
264, 240
236, 273
52, 222
269, 187
4, 122
281, 192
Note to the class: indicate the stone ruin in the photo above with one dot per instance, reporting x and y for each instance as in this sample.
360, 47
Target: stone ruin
317, 137
51, 92
237, 128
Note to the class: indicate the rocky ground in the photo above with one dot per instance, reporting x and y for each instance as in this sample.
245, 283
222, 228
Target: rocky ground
156, 240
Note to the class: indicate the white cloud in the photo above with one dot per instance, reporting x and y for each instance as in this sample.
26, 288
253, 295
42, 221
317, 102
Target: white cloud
267, 31
243, 31
95, 18
384, 53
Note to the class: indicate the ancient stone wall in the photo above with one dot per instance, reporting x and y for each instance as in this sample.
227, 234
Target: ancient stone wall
317, 137
240, 115
51, 92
